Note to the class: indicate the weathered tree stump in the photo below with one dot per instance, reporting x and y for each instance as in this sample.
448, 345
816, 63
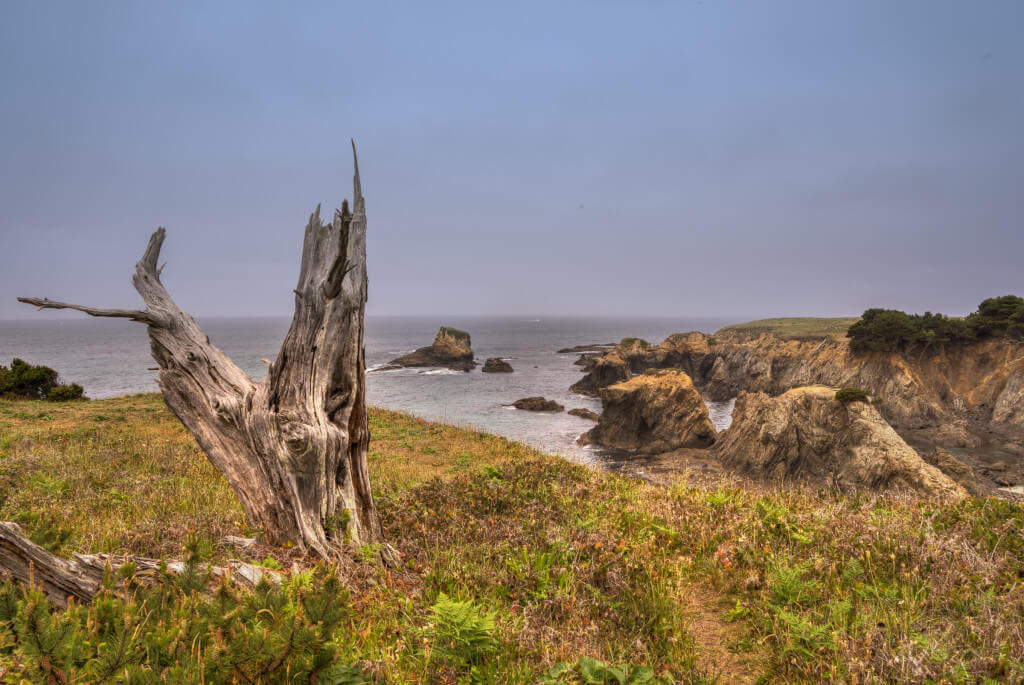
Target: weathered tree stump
292, 446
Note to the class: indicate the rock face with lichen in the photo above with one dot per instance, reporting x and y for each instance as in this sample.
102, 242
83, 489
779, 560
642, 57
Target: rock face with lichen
652, 413
806, 434
496, 365
957, 470
451, 349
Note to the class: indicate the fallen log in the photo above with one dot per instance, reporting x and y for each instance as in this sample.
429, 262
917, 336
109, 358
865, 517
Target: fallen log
82, 576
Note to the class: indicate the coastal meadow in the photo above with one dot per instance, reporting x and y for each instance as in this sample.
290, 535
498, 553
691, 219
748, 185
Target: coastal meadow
516, 567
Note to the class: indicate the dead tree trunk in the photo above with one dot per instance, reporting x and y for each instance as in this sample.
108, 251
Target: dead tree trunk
82, 576
293, 446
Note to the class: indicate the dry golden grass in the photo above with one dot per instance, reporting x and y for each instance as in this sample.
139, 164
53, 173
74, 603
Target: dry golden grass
123, 475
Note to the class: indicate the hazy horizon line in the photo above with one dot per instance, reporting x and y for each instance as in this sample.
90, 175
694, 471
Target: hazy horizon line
69, 316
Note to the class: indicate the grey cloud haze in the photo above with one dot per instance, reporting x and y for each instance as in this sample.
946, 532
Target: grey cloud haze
740, 159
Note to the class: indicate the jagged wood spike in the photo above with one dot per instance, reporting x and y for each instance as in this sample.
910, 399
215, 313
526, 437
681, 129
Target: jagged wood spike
357, 186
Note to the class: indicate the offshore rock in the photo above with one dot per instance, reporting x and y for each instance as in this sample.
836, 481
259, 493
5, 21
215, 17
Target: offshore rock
537, 404
652, 413
451, 349
496, 365
584, 413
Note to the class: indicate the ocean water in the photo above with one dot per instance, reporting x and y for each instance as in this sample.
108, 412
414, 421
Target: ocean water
110, 357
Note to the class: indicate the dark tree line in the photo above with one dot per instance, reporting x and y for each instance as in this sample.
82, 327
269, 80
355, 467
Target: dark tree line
890, 330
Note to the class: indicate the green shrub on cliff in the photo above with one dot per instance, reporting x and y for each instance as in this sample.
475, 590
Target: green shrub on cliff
630, 342
35, 382
890, 330
999, 315
847, 395
663, 372
454, 333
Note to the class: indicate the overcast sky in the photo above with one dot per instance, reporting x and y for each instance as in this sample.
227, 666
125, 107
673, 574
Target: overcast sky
740, 159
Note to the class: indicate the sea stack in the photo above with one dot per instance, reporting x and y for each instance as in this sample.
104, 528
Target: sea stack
451, 349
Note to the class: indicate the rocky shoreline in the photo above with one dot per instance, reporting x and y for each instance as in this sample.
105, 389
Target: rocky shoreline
967, 400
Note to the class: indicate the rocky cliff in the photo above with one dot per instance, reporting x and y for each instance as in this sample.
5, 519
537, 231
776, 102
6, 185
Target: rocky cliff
451, 349
655, 412
806, 434
965, 396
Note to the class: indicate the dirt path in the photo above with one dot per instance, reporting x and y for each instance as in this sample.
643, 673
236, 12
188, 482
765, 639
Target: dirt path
705, 612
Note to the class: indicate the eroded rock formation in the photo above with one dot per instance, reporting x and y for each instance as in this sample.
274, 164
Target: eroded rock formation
655, 412
805, 434
957, 470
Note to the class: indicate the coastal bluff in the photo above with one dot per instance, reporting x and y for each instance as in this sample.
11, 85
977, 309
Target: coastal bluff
964, 397
451, 349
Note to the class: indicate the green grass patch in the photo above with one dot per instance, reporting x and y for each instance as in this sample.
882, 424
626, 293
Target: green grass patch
798, 327
516, 567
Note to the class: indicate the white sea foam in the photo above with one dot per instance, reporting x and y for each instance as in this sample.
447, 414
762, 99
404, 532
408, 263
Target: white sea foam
441, 372
720, 413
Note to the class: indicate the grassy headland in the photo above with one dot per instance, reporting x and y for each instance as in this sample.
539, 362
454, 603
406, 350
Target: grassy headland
514, 562
798, 327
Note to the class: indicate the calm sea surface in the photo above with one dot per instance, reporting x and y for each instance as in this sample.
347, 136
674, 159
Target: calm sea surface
110, 357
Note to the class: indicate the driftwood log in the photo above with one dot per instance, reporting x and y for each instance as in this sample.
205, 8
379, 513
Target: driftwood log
82, 576
293, 446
